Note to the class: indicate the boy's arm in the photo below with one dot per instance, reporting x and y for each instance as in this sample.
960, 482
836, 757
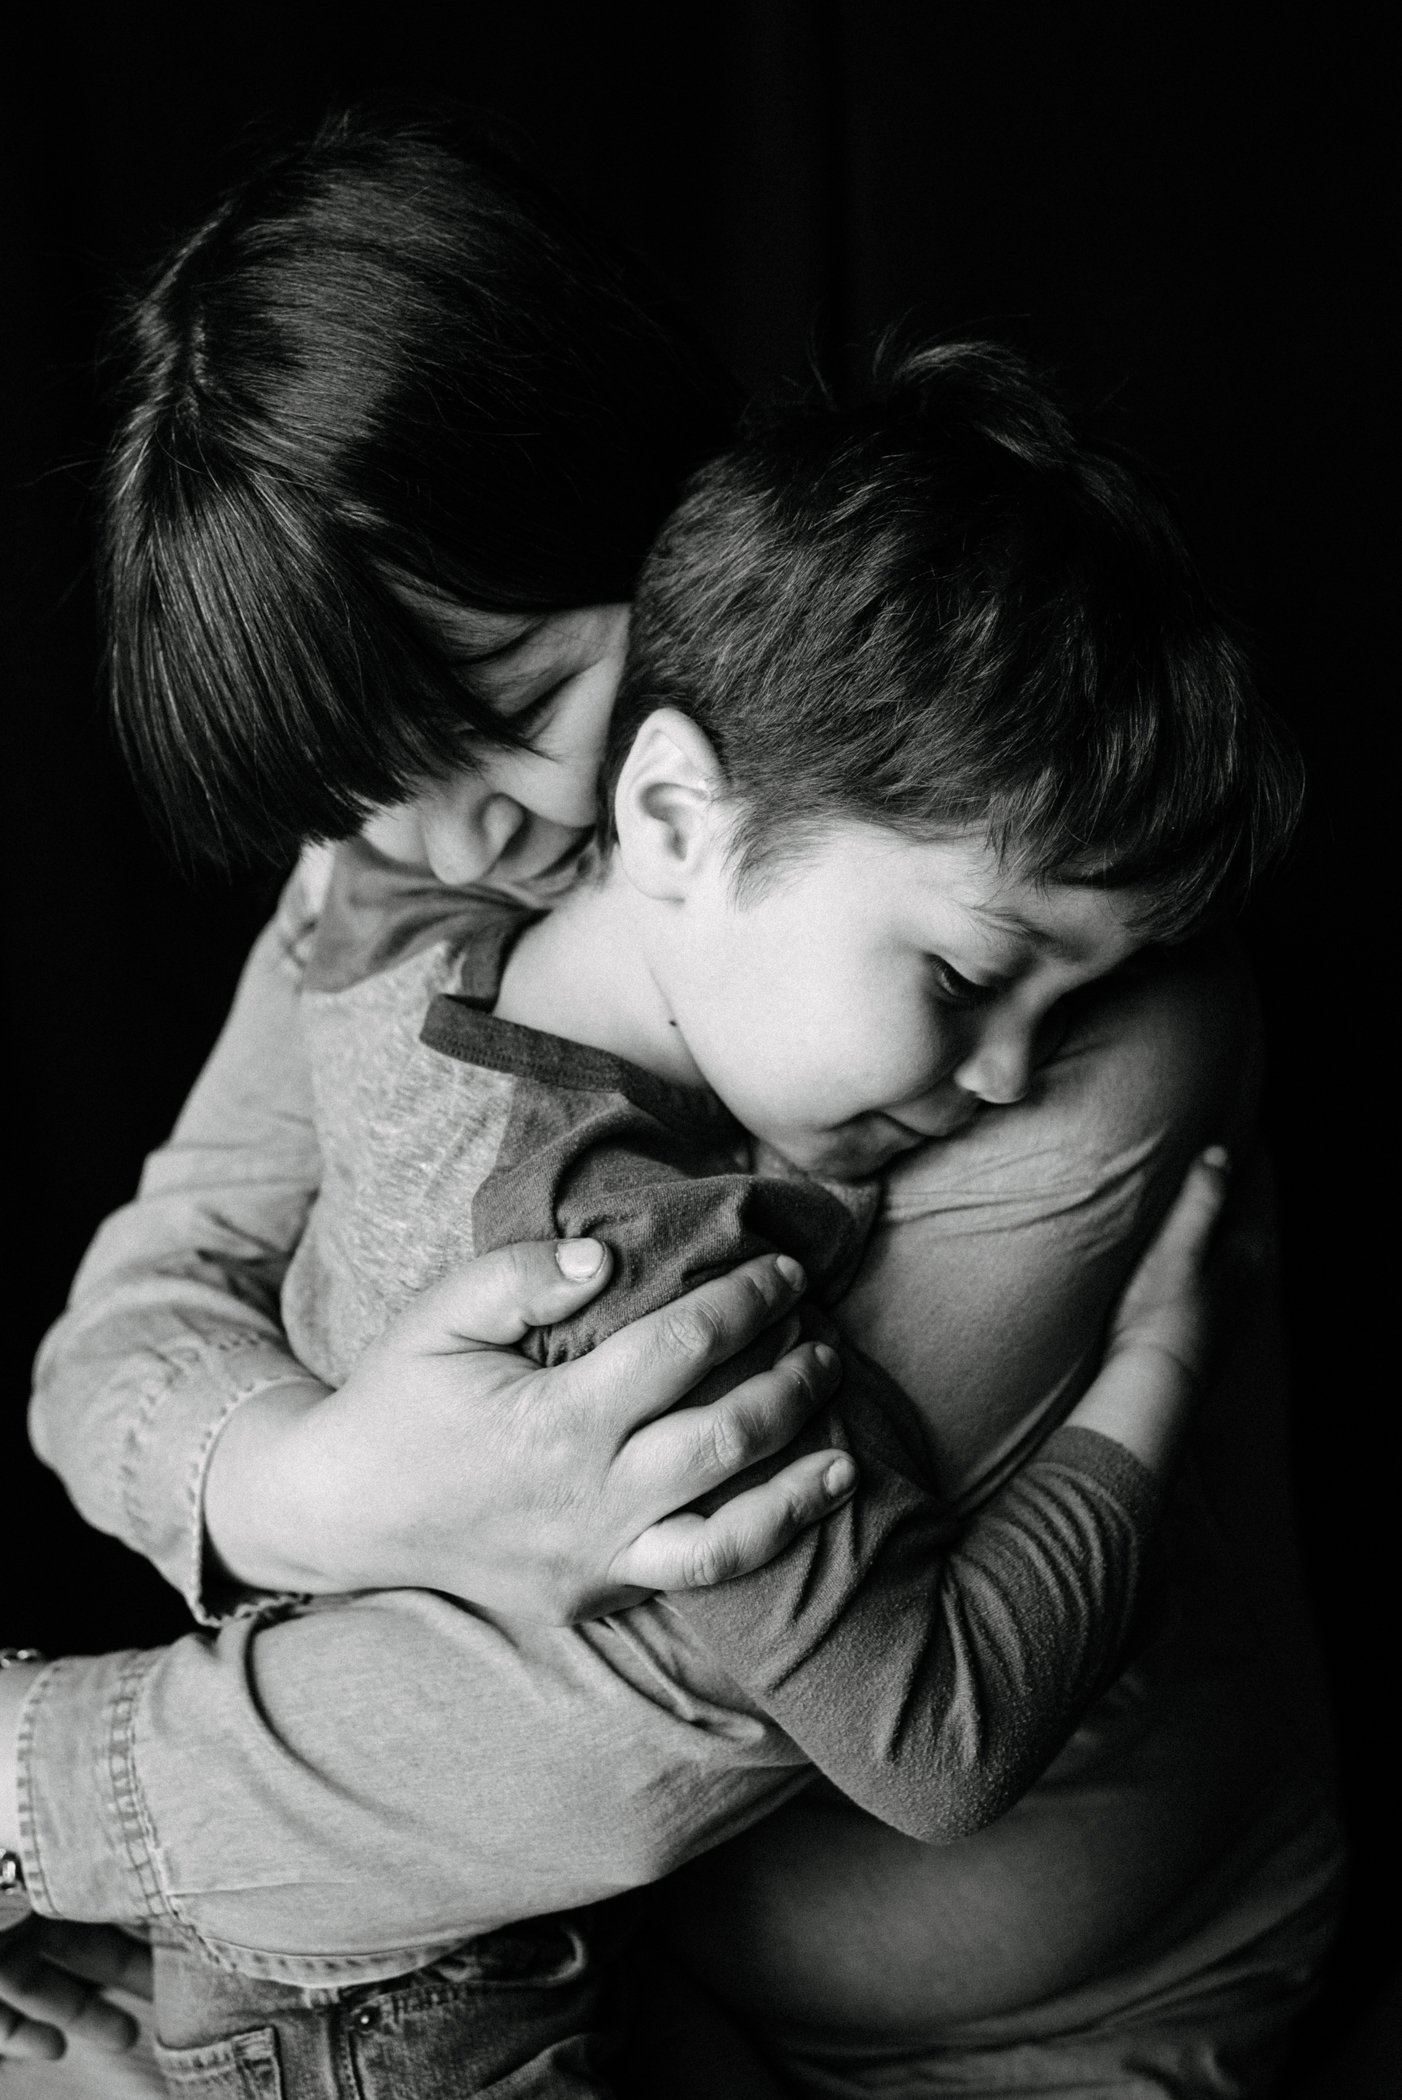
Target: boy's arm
987, 1283
973, 1667
932, 1676
992, 1275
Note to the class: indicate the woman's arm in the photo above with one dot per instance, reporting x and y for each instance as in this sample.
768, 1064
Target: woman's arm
172, 1323
170, 1404
303, 1729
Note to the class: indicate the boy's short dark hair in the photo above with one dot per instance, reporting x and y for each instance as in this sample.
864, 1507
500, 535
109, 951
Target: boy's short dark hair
943, 608
389, 367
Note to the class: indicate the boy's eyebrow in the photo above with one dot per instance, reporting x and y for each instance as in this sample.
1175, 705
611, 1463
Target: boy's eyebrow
1024, 929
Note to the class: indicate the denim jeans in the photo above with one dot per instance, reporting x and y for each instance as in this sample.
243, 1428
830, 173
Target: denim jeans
525, 2013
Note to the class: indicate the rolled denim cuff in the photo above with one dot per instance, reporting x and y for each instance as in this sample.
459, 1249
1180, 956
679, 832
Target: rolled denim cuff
84, 1838
166, 1468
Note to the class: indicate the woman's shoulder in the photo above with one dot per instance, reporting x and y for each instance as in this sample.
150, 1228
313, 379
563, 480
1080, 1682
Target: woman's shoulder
1161, 1057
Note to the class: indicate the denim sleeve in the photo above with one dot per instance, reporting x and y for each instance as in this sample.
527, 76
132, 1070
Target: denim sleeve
347, 1790
173, 1317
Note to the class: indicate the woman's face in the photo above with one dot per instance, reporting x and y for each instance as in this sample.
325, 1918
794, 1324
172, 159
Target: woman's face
517, 818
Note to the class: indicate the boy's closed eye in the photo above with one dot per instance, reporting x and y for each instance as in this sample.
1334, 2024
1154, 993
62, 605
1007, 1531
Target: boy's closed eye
957, 990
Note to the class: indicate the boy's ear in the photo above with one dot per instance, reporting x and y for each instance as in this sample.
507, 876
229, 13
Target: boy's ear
666, 805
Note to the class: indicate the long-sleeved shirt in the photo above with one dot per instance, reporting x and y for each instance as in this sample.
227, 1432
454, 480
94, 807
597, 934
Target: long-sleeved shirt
1024, 1225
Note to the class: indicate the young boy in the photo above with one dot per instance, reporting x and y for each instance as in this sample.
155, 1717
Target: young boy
925, 726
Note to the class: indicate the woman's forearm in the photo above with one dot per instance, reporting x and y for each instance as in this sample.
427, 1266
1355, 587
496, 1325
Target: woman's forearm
342, 1792
173, 1320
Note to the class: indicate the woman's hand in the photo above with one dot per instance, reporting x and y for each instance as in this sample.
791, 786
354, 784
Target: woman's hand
448, 1461
52, 1977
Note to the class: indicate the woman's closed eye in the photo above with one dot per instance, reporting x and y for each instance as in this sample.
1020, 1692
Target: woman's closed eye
533, 716
523, 720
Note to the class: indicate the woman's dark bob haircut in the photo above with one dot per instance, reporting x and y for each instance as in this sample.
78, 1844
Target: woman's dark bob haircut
388, 366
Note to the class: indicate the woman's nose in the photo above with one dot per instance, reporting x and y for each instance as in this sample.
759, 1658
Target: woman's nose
999, 1068
466, 833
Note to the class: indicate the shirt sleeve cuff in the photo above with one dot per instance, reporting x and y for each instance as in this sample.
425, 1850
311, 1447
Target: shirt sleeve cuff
168, 1463
83, 1838
1123, 1477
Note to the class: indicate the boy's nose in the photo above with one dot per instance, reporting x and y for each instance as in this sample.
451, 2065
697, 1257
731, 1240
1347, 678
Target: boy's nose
999, 1070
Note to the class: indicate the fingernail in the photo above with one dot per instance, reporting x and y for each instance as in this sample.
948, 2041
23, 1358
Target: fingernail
840, 1478
791, 1271
1217, 1156
578, 1259
828, 1360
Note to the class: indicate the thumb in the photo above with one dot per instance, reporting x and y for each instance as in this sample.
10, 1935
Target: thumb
493, 1301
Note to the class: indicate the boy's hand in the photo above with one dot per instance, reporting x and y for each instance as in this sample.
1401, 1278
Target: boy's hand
1170, 1302
52, 1976
449, 1461
1164, 1328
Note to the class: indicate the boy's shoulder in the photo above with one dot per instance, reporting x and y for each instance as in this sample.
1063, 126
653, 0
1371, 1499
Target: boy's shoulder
596, 1147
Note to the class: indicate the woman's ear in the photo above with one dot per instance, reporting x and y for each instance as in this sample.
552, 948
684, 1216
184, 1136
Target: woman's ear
667, 805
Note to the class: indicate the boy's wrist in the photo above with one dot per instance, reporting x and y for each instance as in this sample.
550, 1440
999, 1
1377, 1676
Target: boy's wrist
1142, 1398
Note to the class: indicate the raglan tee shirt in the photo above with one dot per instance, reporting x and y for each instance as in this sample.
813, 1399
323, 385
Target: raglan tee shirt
931, 1675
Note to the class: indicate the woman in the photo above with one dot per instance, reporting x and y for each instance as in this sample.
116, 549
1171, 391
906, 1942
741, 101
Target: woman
850, 1957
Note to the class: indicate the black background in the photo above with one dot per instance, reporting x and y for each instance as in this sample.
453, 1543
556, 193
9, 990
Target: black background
1178, 216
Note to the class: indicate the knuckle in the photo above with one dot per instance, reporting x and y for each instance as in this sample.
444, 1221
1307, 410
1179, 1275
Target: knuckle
758, 1284
800, 1387
713, 1557
514, 1262
693, 1330
795, 1505
734, 1439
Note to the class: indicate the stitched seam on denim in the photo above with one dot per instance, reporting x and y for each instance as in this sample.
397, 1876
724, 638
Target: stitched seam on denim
137, 1826
179, 1361
381, 1966
34, 1875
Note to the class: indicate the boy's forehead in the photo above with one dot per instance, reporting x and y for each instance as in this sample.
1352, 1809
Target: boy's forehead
965, 874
